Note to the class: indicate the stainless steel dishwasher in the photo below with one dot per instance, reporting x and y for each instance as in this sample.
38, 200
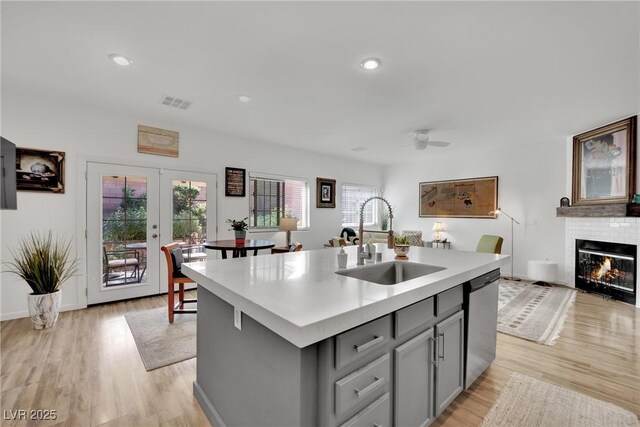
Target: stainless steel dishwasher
481, 321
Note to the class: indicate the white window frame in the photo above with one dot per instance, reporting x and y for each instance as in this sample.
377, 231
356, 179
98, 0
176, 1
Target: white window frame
375, 205
305, 205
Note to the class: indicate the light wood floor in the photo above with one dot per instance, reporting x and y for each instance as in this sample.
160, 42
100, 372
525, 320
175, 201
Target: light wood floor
88, 369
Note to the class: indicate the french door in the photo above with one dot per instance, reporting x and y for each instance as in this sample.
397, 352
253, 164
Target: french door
131, 212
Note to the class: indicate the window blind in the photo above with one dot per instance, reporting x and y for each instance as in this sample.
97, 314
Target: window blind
352, 198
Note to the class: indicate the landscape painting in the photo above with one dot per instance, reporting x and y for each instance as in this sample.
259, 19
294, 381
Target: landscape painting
461, 198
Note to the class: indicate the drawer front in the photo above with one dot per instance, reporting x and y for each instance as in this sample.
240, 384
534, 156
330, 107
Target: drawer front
448, 299
376, 414
361, 385
362, 341
414, 316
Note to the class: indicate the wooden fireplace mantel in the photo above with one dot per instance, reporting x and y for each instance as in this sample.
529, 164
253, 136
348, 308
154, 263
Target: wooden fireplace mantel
599, 211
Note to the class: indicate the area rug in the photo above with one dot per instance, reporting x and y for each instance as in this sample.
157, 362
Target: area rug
526, 401
159, 342
535, 313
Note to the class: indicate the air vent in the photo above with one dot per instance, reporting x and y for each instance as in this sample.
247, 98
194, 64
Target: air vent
175, 102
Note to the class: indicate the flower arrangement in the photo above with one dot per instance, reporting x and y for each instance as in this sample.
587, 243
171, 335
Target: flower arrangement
239, 225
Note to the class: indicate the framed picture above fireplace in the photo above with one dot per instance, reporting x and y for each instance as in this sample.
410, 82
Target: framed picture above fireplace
604, 164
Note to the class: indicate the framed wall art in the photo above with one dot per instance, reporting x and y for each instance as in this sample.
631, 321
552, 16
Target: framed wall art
325, 193
604, 164
160, 142
234, 182
39, 170
460, 198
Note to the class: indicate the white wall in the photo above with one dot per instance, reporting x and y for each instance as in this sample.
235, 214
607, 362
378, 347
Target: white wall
531, 181
41, 123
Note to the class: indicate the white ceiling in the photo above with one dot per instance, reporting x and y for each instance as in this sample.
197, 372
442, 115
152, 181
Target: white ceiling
479, 74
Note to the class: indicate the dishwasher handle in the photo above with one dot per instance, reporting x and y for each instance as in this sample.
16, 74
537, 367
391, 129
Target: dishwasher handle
484, 280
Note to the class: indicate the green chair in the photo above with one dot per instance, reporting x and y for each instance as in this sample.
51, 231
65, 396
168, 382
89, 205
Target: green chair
490, 244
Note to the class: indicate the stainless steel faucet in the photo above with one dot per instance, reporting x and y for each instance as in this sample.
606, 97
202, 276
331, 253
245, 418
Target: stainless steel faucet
362, 254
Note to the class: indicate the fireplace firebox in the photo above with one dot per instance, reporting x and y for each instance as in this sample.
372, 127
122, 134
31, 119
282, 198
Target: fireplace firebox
607, 268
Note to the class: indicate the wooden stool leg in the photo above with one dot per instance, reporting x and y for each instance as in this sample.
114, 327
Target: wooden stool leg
171, 296
181, 297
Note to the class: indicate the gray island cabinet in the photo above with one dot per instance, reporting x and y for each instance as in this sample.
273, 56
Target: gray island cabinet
329, 350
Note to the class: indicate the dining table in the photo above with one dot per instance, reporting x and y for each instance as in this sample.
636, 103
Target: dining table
238, 249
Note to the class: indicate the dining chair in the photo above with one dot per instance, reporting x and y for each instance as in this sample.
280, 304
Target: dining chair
173, 255
490, 244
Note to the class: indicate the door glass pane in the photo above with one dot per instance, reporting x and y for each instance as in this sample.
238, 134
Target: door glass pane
124, 230
189, 225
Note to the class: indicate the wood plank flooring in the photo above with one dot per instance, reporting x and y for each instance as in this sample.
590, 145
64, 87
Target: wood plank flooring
87, 368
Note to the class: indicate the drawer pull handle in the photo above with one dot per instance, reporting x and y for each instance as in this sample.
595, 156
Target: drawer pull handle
374, 341
378, 381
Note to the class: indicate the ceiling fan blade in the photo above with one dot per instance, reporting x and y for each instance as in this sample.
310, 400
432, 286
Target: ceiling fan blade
438, 143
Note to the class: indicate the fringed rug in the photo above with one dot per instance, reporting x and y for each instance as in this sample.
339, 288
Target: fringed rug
528, 402
159, 342
535, 313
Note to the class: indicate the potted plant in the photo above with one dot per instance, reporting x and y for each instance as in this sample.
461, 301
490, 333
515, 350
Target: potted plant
240, 227
384, 220
44, 263
402, 247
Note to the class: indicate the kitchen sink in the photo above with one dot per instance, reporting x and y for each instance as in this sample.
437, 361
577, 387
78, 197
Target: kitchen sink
391, 273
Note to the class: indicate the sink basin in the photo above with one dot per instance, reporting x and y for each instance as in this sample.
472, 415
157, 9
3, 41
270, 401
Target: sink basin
391, 273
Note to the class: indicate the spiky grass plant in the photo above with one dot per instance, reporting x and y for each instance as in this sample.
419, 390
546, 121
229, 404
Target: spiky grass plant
43, 262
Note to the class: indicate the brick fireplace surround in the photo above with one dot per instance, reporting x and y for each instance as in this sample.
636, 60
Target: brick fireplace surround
617, 230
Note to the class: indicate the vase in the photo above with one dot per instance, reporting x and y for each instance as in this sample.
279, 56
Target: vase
44, 309
241, 236
401, 251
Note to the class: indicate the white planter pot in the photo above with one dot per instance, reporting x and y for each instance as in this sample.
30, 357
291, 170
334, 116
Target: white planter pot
44, 309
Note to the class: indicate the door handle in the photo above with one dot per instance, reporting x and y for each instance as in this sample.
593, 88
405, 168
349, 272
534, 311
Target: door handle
154, 235
434, 355
441, 357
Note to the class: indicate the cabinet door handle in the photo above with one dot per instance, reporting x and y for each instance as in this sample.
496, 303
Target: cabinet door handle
378, 381
434, 355
441, 357
374, 341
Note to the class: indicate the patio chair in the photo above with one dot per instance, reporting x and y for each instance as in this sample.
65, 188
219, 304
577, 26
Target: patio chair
124, 259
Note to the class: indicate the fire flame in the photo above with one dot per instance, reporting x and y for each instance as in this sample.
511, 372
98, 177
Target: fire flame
606, 273
603, 269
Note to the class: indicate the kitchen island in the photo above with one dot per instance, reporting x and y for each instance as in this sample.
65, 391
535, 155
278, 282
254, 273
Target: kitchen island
285, 341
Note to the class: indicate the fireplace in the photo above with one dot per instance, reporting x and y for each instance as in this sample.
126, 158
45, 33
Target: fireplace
607, 268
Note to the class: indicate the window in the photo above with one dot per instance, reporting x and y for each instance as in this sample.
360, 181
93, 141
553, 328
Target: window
272, 197
352, 198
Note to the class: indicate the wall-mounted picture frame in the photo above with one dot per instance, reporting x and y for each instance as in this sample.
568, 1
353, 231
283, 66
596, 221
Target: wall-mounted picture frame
161, 142
459, 198
604, 164
39, 170
234, 182
325, 193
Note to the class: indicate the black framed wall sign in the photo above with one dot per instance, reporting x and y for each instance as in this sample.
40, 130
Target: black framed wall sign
234, 182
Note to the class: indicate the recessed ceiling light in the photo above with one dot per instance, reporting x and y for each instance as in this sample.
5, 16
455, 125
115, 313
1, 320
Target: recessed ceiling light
120, 60
371, 63
244, 98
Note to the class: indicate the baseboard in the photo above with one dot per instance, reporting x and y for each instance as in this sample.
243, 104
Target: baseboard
207, 407
25, 313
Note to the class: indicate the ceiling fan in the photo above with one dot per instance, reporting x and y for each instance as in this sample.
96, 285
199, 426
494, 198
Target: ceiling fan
421, 140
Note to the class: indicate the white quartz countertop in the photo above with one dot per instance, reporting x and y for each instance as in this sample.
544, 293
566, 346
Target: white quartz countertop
299, 296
